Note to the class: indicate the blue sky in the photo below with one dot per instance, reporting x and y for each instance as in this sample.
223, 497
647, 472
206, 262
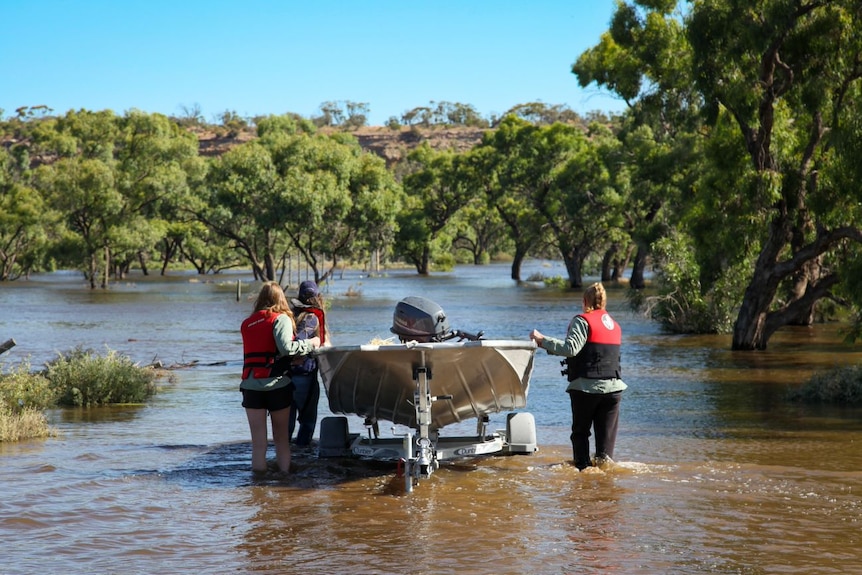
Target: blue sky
259, 57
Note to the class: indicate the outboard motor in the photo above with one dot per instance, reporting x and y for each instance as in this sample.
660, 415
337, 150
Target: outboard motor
420, 319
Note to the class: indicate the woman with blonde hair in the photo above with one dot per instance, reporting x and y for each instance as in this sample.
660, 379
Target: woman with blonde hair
592, 352
269, 347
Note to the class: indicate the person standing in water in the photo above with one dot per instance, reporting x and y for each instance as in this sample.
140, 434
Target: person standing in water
310, 322
269, 347
592, 352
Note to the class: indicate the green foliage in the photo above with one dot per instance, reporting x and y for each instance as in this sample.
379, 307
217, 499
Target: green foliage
840, 385
444, 262
83, 379
20, 389
435, 190
286, 124
682, 304
343, 114
232, 123
558, 282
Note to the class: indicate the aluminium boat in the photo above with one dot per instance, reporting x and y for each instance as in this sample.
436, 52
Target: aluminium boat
469, 379
426, 382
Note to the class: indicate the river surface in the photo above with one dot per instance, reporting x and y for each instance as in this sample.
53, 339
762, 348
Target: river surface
716, 472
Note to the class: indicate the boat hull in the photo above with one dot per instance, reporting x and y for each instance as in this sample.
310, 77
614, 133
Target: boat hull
379, 382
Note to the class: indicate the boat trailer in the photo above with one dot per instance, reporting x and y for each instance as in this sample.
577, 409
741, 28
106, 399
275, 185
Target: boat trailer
418, 452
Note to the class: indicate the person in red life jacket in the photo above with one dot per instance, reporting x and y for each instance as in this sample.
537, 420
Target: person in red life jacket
310, 322
592, 351
269, 347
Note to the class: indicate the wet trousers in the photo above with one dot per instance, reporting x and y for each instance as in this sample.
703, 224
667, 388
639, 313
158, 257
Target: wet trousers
306, 396
601, 411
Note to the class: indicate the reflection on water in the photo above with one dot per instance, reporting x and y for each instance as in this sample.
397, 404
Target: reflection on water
717, 473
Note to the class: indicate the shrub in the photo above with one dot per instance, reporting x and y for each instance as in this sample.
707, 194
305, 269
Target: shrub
83, 379
24, 423
841, 385
558, 282
20, 389
23, 396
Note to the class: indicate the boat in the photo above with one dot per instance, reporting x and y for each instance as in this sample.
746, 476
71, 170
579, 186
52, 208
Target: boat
476, 378
432, 378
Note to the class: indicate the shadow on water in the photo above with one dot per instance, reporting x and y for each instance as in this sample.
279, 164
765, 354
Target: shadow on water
228, 466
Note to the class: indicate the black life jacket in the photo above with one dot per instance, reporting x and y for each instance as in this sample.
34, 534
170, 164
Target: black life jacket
600, 356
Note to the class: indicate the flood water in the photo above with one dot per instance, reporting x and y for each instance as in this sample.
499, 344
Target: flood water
716, 473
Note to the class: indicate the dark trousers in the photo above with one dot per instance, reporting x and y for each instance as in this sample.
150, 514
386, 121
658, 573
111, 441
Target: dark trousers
305, 399
601, 411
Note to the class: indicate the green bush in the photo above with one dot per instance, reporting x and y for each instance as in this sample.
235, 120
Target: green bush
20, 390
82, 379
558, 282
841, 385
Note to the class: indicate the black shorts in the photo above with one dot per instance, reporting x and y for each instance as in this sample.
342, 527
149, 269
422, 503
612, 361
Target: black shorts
272, 400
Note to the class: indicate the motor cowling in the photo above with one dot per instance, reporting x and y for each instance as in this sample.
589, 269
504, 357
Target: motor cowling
420, 319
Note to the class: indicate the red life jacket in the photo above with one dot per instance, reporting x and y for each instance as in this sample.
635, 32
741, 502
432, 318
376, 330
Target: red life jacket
258, 345
600, 356
300, 309
321, 321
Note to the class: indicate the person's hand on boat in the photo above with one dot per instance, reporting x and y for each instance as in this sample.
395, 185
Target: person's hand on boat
315, 341
537, 336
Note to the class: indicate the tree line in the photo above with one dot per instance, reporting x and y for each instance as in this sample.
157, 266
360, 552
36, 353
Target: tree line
104, 193
733, 173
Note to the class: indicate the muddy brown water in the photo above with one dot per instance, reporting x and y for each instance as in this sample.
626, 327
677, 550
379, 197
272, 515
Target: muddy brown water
716, 472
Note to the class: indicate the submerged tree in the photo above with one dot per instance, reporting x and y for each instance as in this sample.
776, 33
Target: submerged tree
786, 74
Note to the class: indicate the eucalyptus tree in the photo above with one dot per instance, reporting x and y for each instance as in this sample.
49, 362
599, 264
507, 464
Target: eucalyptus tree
109, 176
544, 114
246, 206
156, 159
505, 159
84, 190
296, 189
577, 198
789, 76
80, 183
24, 222
437, 186
479, 230
785, 74
203, 248
645, 60
337, 197
344, 114
552, 184
377, 200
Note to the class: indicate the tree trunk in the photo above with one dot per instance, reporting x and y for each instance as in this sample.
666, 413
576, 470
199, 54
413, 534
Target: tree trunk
7, 345
142, 260
637, 278
520, 254
606, 262
573, 268
424, 262
620, 264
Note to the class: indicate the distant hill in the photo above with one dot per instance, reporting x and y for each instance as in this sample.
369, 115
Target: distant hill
391, 145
